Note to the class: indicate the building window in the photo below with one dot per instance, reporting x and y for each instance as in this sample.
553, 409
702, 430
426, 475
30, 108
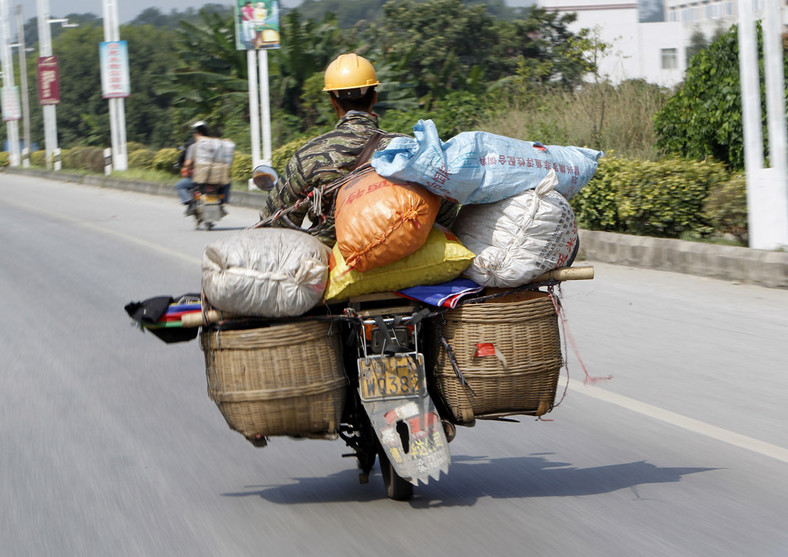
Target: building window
670, 59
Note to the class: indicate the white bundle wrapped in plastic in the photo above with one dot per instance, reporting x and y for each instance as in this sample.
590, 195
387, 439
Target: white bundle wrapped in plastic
517, 239
269, 272
213, 161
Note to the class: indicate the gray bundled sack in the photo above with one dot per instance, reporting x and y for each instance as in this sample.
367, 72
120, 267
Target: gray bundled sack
518, 238
268, 272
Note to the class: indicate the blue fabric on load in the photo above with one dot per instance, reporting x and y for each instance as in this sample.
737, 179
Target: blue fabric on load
445, 294
481, 167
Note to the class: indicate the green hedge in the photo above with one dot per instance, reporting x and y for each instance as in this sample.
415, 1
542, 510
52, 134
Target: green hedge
141, 158
165, 160
668, 198
726, 207
664, 199
242, 168
38, 158
281, 155
83, 158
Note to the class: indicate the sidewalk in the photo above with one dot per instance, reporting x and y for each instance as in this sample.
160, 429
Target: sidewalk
731, 263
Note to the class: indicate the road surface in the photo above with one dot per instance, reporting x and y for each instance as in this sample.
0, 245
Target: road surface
111, 446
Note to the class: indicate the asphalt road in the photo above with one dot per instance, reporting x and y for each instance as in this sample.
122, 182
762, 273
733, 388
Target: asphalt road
110, 446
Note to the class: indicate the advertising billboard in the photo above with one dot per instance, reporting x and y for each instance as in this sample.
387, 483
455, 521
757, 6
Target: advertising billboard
10, 101
256, 24
48, 80
114, 59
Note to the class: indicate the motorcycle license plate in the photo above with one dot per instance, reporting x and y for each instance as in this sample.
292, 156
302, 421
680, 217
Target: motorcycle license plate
391, 376
210, 198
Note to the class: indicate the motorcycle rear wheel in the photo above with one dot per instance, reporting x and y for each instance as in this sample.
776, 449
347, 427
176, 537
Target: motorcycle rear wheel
397, 488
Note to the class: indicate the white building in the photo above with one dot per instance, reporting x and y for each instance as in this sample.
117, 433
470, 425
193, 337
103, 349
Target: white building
649, 38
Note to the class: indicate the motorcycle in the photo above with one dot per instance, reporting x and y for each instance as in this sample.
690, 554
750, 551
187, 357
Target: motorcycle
208, 207
404, 376
396, 370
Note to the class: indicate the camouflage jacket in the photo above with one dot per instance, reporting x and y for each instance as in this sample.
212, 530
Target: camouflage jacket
321, 161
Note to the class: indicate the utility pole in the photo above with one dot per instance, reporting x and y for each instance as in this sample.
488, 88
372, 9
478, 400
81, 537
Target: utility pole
10, 94
24, 87
117, 110
49, 110
767, 188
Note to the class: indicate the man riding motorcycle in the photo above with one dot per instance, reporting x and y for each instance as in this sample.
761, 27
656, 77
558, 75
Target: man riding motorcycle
185, 186
350, 81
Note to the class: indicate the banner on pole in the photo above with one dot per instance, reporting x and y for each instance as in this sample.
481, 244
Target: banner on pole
11, 107
48, 80
114, 59
256, 24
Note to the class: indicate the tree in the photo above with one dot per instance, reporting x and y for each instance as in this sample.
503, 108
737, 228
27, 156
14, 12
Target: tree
704, 116
209, 76
444, 46
698, 42
83, 115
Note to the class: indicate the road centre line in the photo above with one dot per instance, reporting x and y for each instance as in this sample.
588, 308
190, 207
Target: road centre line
684, 422
103, 230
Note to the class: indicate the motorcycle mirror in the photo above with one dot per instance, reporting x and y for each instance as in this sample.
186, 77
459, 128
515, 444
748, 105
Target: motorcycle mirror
264, 177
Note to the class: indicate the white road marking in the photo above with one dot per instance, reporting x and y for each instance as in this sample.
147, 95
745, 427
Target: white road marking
689, 424
104, 230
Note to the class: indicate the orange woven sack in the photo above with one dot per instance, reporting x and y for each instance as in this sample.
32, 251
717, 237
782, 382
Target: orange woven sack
379, 222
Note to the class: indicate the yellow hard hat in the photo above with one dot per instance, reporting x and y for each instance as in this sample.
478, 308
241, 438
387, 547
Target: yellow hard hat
350, 71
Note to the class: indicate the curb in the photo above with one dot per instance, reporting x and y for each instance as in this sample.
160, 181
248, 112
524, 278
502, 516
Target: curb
730, 263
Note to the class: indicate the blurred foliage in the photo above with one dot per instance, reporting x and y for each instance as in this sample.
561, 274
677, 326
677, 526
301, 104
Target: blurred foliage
165, 160
141, 158
83, 158
282, 154
726, 208
38, 158
241, 170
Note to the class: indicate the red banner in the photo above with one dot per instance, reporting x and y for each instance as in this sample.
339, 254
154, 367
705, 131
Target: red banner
48, 80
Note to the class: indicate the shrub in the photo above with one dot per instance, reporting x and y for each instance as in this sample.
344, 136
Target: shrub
132, 146
83, 158
165, 160
68, 158
242, 168
646, 198
726, 208
39, 158
596, 204
281, 155
141, 158
666, 198
3, 158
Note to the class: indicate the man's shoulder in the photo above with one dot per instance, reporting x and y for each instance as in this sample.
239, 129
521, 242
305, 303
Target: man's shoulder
389, 136
338, 139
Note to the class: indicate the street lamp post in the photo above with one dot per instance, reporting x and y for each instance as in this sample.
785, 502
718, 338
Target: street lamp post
23, 82
117, 111
10, 94
49, 110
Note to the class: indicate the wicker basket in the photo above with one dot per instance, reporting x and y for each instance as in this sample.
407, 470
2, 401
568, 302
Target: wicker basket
521, 377
279, 380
